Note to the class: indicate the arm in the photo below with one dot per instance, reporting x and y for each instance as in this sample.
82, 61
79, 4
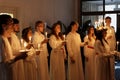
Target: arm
85, 47
54, 44
69, 44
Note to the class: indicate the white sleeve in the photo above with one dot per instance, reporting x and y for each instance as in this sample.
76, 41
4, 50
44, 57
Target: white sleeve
53, 43
69, 44
85, 47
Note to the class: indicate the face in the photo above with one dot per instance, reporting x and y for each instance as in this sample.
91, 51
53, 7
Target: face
104, 33
107, 21
75, 27
16, 27
92, 30
29, 33
57, 29
8, 29
40, 27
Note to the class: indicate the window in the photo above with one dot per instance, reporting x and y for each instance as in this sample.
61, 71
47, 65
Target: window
11, 14
96, 10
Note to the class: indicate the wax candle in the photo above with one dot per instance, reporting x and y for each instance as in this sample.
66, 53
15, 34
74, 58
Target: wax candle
64, 37
117, 45
46, 34
30, 38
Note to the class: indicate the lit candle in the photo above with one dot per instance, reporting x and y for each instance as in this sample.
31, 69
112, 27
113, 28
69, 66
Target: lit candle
21, 41
45, 34
38, 45
64, 37
117, 45
30, 38
25, 44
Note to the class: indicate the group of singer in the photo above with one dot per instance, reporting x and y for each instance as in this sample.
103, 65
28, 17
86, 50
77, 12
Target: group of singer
31, 62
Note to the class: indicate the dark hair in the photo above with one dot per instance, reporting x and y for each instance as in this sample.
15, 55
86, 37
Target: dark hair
15, 21
70, 26
37, 23
4, 19
54, 33
88, 29
108, 17
99, 35
25, 33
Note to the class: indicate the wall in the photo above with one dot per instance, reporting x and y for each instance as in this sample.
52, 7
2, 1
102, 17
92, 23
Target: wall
29, 11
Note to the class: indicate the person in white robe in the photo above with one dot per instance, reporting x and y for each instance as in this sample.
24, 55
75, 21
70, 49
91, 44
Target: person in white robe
6, 55
89, 54
75, 66
111, 39
102, 58
30, 65
39, 41
58, 54
18, 67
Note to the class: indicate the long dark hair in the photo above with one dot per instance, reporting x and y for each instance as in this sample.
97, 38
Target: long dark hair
54, 32
37, 23
25, 33
99, 35
4, 19
88, 30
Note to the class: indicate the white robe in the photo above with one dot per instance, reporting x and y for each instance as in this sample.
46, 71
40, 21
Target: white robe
5, 56
102, 63
42, 62
112, 43
90, 54
112, 40
58, 54
75, 70
18, 66
30, 65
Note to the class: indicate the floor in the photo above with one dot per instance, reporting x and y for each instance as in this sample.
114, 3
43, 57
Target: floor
117, 70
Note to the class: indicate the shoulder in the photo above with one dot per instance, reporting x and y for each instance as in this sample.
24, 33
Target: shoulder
97, 42
86, 37
35, 33
52, 36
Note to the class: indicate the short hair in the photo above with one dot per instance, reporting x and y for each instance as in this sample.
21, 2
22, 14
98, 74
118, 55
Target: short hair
15, 21
108, 17
4, 19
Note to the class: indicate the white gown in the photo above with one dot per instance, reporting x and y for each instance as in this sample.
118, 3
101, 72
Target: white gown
42, 62
112, 40
102, 63
75, 70
58, 54
90, 54
5, 55
112, 43
30, 65
18, 66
